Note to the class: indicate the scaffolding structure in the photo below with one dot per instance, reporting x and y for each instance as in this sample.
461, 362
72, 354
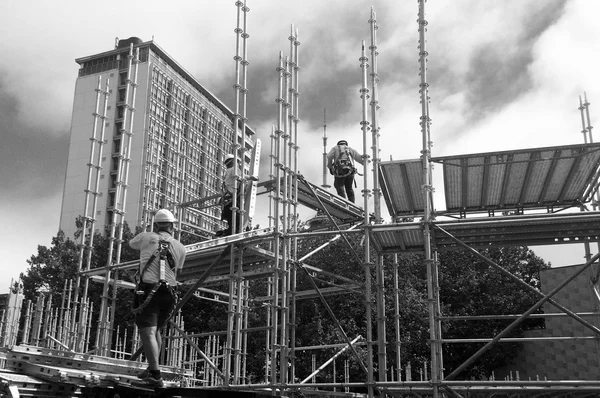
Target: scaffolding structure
223, 269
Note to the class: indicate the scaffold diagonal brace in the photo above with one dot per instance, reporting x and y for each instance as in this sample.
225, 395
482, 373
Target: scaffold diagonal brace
335, 320
301, 178
521, 282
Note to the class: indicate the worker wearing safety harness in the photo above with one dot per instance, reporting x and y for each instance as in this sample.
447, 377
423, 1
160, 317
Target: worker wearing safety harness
230, 184
161, 256
340, 162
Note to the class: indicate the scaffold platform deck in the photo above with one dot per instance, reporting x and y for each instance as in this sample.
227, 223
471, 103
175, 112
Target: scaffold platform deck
538, 178
256, 260
527, 230
530, 197
42, 372
201, 255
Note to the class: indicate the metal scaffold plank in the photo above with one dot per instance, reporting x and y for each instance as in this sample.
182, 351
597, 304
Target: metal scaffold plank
337, 206
24, 354
200, 255
15, 385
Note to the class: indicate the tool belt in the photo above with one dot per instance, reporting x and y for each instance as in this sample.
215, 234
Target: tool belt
144, 293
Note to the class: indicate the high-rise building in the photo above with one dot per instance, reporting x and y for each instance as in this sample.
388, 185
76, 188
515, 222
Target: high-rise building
145, 135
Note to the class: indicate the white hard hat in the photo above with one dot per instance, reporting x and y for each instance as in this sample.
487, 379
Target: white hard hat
164, 215
228, 157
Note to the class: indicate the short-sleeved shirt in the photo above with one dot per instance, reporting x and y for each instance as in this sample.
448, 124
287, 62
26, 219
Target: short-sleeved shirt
230, 180
147, 244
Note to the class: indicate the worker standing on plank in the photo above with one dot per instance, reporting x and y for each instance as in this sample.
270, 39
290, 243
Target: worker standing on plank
161, 257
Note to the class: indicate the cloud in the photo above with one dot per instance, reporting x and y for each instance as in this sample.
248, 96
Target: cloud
33, 160
502, 75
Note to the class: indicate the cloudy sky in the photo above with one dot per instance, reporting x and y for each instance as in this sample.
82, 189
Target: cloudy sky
502, 74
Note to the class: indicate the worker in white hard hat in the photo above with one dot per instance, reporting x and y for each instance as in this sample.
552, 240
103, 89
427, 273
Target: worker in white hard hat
161, 257
230, 182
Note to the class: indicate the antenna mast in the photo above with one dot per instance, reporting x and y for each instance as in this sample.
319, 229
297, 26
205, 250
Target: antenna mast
325, 185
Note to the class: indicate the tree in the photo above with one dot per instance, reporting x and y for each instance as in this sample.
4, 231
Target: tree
469, 286
53, 266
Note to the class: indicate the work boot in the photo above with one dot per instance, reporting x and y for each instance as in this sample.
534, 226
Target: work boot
143, 374
223, 232
150, 381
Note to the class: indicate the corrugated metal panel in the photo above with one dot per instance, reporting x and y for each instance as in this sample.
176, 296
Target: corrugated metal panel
529, 178
403, 237
401, 183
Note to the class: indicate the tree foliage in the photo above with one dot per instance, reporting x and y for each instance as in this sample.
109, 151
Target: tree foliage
470, 286
53, 272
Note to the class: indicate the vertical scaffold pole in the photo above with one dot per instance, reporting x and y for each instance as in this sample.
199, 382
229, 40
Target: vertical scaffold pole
272, 160
236, 116
232, 353
229, 340
106, 94
583, 128
273, 350
94, 167
104, 335
134, 61
397, 318
364, 94
285, 224
589, 127
93, 170
375, 117
584, 131
127, 135
587, 134
432, 288
240, 288
269, 308
325, 171
380, 280
97, 163
595, 273
294, 120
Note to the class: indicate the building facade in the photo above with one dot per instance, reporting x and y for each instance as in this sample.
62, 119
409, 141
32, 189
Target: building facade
145, 135
565, 349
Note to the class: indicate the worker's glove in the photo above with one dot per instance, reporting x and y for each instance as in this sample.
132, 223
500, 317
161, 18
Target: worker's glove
226, 199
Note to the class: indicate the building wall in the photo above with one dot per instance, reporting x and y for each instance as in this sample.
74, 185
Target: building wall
561, 359
82, 127
181, 133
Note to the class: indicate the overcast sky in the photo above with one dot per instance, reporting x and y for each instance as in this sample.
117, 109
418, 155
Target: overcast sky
503, 75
